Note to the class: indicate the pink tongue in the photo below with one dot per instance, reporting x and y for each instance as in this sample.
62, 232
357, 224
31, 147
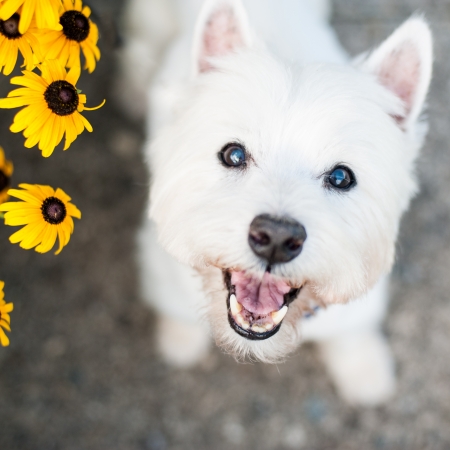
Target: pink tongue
259, 296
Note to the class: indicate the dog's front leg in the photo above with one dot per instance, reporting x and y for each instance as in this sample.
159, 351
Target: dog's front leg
175, 292
354, 349
361, 366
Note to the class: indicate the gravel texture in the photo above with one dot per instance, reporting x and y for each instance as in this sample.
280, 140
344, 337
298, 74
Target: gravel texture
82, 372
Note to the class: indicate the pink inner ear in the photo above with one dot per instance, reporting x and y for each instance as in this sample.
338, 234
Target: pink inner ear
400, 73
221, 36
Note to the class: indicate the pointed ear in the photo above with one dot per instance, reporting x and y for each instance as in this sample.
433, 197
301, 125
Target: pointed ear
222, 28
403, 64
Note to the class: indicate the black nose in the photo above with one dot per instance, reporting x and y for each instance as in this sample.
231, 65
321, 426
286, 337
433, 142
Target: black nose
276, 239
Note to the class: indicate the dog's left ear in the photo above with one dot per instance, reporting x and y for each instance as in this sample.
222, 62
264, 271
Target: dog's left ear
222, 28
403, 64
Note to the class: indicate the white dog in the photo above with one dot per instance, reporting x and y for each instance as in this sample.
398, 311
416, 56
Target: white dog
280, 171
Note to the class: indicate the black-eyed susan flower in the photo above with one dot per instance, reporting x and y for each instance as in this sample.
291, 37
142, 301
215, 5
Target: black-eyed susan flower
78, 33
46, 214
53, 106
5, 319
6, 170
45, 13
12, 41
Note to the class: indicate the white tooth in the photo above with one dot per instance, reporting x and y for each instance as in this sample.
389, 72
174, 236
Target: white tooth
278, 316
258, 329
235, 306
268, 326
245, 325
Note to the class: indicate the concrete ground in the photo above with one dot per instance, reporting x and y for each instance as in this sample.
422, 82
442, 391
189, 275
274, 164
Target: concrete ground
82, 372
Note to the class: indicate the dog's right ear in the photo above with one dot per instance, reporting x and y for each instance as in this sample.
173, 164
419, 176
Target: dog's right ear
222, 28
403, 64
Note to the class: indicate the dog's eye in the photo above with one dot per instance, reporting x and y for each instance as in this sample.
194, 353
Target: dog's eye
233, 155
341, 177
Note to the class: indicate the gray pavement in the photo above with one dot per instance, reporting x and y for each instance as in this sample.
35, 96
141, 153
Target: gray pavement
82, 373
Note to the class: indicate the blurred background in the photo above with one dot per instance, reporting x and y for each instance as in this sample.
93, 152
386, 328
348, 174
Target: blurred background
82, 372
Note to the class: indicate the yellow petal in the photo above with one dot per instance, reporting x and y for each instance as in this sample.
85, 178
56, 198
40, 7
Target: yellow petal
5, 325
8, 308
73, 211
47, 15
73, 54
21, 234
48, 240
71, 132
35, 237
54, 50
9, 8
11, 59
78, 122
14, 206
24, 118
26, 15
33, 140
46, 138
24, 220
68, 5
69, 222
38, 123
34, 189
6, 317
95, 107
9, 103
57, 69
3, 338
25, 196
89, 56
86, 124
73, 75
59, 193
47, 191
61, 238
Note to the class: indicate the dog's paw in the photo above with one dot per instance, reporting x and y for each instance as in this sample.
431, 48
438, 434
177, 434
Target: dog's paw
362, 367
180, 344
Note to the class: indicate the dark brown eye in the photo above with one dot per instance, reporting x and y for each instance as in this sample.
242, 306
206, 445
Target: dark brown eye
233, 155
341, 178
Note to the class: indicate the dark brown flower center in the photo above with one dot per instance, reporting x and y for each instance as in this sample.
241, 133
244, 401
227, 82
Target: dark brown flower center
4, 181
10, 28
53, 210
75, 25
62, 98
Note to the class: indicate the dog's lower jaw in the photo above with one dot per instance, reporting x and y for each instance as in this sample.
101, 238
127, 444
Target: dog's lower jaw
272, 350
267, 301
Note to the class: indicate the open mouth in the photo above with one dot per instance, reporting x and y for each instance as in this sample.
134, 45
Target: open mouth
257, 307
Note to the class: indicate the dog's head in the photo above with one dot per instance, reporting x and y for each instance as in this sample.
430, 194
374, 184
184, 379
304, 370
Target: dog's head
286, 184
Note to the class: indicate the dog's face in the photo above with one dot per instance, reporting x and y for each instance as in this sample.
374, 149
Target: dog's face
285, 186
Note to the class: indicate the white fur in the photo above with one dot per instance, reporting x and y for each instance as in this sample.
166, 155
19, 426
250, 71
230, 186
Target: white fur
284, 89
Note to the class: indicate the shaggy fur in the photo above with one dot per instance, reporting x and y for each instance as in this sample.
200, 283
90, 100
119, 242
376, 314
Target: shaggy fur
279, 83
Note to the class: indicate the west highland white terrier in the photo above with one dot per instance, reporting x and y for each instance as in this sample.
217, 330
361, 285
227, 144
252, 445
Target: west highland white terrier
280, 170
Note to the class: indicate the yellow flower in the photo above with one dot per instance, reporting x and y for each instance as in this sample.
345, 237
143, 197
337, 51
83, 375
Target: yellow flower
78, 33
46, 214
11, 42
6, 170
44, 11
5, 320
53, 106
